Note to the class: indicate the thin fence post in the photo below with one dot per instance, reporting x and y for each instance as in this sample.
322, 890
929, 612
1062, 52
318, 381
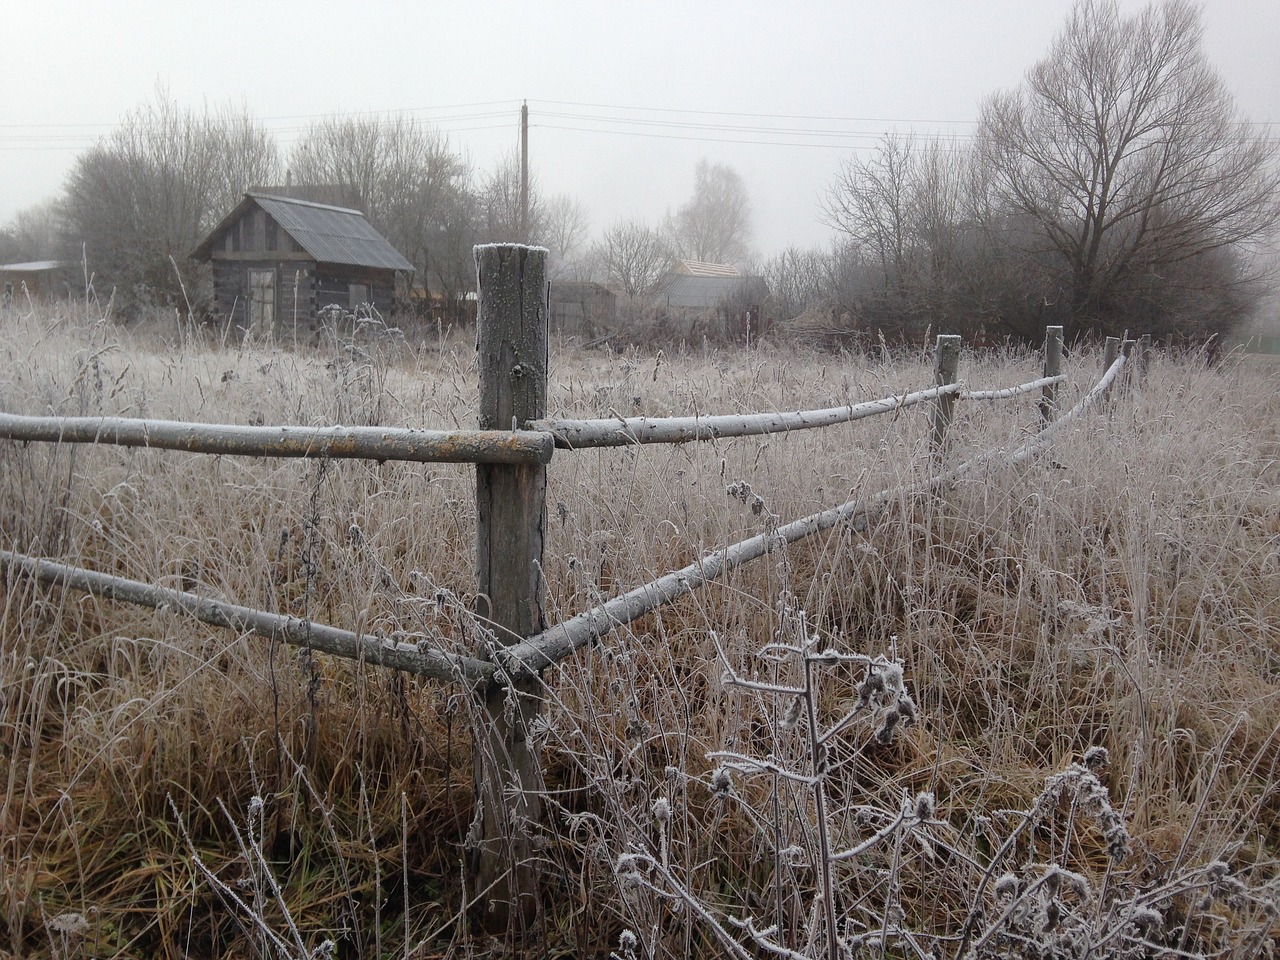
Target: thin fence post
1052, 368
1130, 379
946, 363
512, 345
1144, 357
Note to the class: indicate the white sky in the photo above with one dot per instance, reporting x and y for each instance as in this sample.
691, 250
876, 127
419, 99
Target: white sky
70, 70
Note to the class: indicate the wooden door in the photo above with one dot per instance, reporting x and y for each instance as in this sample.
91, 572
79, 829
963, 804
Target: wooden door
262, 302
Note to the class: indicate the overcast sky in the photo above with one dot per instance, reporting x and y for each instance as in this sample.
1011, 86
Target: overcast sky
624, 98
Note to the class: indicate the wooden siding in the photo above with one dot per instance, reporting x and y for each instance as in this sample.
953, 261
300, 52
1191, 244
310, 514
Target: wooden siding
295, 296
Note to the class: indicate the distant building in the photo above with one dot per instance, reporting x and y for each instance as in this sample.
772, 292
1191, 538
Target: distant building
277, 262
582, 309
43, 279
694, 287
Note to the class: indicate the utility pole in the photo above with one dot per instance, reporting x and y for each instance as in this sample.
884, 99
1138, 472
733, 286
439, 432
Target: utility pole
524, 172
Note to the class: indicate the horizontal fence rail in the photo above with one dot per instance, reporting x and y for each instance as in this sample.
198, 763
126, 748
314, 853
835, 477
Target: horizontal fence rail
623, 431
556, 643
399, 652
337, 442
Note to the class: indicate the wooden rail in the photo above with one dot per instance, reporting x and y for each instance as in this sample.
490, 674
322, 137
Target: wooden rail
357, 443
401, 651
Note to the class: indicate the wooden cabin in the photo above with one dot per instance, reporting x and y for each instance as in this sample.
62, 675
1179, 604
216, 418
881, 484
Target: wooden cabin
37, 279
278, 262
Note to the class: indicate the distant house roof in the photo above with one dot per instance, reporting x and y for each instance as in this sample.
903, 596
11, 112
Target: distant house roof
700, 268
328, 234
33, 266
704, 293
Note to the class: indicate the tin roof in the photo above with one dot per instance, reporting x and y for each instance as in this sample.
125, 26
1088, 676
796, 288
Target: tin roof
329, 234
32, 266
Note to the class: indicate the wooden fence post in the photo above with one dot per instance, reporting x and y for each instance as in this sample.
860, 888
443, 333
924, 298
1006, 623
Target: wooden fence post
1052, 368
1110, 352
512, 341
946, 363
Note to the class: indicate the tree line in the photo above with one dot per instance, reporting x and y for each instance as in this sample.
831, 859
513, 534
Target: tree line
139, 201
1117, 188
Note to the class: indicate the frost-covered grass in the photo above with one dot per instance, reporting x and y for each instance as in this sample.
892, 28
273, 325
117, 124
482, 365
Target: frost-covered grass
174, 790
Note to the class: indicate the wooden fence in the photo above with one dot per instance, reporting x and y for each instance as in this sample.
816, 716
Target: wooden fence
512, 329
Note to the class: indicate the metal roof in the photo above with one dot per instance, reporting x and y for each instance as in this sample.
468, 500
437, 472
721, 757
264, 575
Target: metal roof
703, 293
329, 234
33, 266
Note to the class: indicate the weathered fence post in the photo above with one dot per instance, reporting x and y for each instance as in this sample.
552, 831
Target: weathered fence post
1052, 368
1144, 357
946, 363
511, 332
1130, 378
1110, 353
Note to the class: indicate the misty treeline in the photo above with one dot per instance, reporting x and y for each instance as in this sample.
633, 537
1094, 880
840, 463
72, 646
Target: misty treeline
1116, 189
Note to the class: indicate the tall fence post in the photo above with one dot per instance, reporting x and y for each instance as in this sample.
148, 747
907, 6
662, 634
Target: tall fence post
946, 364
1052, 368
512, 342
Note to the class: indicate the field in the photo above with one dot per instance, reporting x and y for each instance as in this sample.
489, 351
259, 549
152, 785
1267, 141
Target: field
173, 790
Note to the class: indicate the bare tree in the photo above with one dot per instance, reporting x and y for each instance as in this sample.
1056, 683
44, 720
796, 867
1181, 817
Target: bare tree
34, 233
410, 183
1125, 151
869, 203
564, 232
501, 214
633, 256
150, 190
715, 224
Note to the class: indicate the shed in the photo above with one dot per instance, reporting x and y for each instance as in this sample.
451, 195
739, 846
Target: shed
42, 278
277, 262
692, 288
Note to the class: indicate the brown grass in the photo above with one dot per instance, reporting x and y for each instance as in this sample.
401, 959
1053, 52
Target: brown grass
1122, 591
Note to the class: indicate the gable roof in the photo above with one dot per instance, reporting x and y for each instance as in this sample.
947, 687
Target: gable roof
328, 234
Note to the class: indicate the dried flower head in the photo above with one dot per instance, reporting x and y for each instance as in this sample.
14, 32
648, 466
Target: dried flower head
721, 781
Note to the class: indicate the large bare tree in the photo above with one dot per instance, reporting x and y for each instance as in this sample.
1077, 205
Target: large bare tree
1125, 152
714, 225
139, 200
564, 232
410, 183
632, 255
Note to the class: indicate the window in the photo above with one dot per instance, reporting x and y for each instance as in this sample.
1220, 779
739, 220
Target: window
359, 295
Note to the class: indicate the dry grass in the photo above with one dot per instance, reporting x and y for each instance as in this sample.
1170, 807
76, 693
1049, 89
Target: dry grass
1123, 592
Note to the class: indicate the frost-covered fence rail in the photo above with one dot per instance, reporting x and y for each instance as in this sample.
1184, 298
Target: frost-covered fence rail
337, 442
622, 431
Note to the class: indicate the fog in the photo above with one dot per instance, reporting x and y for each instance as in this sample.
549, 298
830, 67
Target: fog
624, 99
